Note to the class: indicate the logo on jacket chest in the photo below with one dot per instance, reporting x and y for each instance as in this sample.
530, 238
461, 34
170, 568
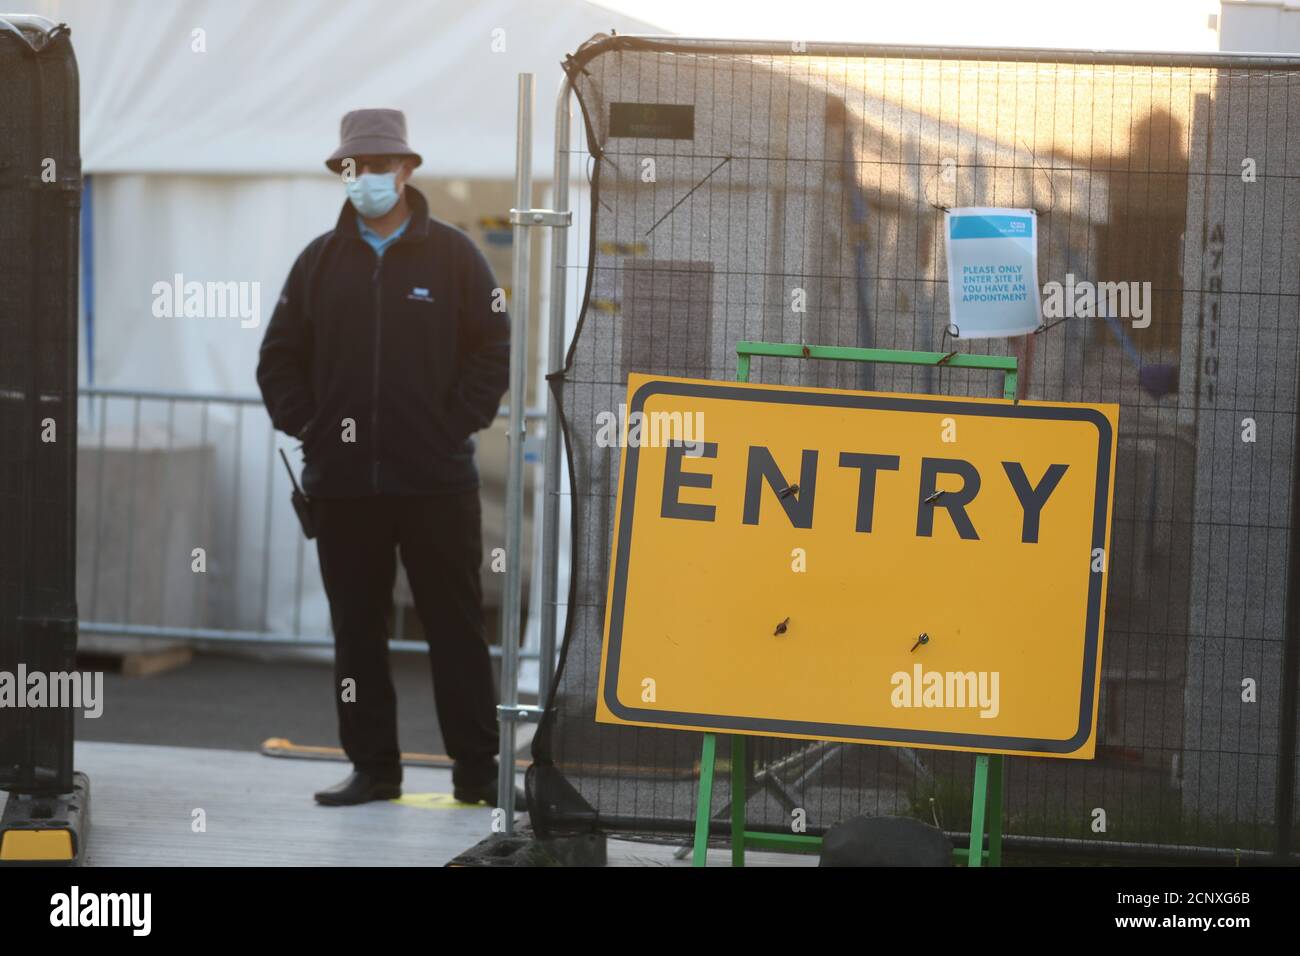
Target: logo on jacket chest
419, 294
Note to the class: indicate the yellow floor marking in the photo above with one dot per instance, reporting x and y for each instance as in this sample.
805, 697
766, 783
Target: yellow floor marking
433, 801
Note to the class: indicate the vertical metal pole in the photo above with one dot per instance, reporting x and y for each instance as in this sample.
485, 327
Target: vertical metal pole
1284, 812
554, 438
513, 596
975, 857
739, 775
704, 801
995, 809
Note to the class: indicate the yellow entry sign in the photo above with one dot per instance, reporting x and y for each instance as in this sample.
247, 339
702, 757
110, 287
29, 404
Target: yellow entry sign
906, 570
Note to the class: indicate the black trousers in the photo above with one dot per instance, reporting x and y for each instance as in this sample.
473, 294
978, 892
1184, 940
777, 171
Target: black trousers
440, 541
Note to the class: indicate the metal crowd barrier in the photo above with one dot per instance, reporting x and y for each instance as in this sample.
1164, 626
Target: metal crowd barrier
153, 463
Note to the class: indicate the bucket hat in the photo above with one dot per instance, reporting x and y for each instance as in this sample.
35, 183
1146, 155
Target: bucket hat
371, 132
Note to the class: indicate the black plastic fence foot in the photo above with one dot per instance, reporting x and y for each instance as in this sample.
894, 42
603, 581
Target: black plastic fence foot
48, 829
526, 849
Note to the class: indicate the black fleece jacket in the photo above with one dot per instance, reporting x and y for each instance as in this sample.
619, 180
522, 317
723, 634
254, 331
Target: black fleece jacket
384, 368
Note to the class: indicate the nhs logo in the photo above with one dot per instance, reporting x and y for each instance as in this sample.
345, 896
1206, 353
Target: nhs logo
420, 295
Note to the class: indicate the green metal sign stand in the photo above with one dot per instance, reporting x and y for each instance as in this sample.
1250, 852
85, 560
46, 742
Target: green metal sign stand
986, 799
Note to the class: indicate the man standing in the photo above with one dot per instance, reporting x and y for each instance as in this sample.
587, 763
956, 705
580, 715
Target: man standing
388, 349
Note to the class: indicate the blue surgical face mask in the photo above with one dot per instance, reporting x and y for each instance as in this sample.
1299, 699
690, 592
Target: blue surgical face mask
372, 194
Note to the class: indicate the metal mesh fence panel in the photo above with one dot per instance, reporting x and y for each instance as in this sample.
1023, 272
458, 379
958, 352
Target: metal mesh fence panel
762, 192
40, 188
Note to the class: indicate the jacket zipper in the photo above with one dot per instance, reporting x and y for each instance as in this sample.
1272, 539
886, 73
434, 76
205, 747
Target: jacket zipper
374, 398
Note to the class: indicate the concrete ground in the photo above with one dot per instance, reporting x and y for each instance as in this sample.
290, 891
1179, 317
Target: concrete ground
177, 776
234, 700
184, 806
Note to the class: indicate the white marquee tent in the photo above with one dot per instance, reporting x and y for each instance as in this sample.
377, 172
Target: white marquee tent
204, 128
205, 123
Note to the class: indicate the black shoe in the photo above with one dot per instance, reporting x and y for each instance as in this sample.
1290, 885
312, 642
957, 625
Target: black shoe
359, 787
487, 793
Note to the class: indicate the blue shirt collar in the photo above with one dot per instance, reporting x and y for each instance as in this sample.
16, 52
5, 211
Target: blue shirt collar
376, 242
